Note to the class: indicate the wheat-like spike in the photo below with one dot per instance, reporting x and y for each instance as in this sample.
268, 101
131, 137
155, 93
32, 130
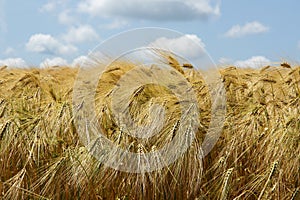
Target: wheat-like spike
5, 127
265, 68
293, 71
269, 80
285, 65
53, 95
141, 148
138, 91
2, 101
270, 176
174, 129
3, 67
2, 112
273, 170
61, 112
226, 184
175, 64
187, 65
295, 195
221, 160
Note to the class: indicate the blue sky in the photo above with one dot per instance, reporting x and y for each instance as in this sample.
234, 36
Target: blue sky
233, 32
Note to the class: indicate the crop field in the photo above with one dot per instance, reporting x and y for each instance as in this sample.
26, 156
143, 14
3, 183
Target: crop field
255, 157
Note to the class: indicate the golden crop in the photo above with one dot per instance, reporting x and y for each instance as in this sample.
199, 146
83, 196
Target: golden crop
256, 157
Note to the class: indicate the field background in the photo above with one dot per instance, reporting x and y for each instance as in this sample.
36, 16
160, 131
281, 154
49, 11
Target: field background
256, 157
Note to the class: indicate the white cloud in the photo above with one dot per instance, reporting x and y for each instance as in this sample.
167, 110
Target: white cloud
43, 43
48, 7
225, 61
9, 51
65, 18
188, 46
117, 23
77, 62
80, 34
253, 62
250, 28
53, 5
61, 9
13, 62
57, 61
151, 9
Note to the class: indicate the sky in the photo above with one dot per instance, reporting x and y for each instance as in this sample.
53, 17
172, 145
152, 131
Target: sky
59, 32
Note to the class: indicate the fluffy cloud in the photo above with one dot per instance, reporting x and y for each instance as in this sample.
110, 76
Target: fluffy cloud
80, 34
188, 46
225, 61
43, 43
48, 7
65, 18
78, 61
13, 62
250, 28
53, 5
57, 61
61, 9
253, 62
151, 9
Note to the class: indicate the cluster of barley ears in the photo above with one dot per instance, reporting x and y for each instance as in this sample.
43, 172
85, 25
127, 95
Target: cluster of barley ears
256, 157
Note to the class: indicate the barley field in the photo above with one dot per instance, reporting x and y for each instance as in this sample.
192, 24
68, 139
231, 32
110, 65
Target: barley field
256, 156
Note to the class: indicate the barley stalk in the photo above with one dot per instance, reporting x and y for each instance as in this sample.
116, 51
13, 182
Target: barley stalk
226, 184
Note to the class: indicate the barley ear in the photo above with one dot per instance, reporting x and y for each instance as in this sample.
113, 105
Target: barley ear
270, 176
226, 184
296, 195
